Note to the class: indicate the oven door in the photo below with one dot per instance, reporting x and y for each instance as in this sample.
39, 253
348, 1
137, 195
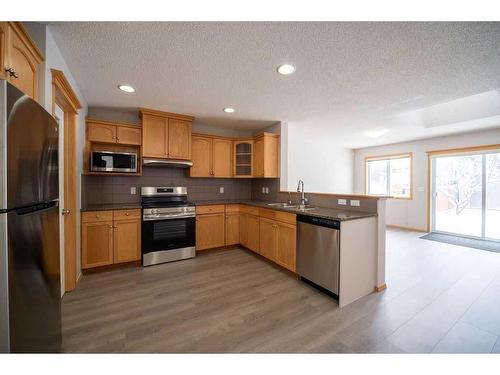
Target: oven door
168, 234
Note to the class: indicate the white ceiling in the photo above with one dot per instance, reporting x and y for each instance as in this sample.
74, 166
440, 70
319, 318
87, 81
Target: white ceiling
351, 78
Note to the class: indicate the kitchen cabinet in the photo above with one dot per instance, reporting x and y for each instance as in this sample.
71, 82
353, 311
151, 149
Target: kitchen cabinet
20, 58
166, 135
126, 240
265, 156
286, 245
110, 237
209, 231
232, 225
253, 233
113, 132
243, 151
201, 156
268, 238
211, 156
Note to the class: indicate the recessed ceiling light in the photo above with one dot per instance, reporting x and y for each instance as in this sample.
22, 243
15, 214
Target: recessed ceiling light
228, 110
126, 88
375, 133
286, 69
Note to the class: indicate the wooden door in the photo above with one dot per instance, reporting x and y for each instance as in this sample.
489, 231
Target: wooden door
253, 233
209, 231
201, 156
127, 240
286, 246
97, 132
258, 157
154, 136
97, 244
243, 230
232, 228
221, 156
3, 49
267, 233
179, 139
128, 135
22, 59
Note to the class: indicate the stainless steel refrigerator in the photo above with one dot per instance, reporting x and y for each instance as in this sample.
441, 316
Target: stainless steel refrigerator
30, 286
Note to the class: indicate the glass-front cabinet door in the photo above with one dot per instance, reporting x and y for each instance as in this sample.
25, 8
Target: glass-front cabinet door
243, 158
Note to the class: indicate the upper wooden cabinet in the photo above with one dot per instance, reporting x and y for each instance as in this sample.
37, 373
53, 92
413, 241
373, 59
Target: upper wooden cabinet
113, 132
166, 135
243, 151
211, 156
19, 58
265, 155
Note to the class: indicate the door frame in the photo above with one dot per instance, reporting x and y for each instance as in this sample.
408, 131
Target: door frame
65, 98
430, 177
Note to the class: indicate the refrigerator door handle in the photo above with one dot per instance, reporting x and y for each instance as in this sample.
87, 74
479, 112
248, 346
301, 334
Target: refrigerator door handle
36, 209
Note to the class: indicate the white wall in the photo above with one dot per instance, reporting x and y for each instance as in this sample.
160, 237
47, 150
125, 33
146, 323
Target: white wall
413, 213
323, 165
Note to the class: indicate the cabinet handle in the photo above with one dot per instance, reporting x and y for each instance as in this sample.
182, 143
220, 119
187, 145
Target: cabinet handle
127, 214
12, 72
110, 226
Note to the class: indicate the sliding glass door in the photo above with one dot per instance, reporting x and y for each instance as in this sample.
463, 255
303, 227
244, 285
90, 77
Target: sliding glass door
466, 195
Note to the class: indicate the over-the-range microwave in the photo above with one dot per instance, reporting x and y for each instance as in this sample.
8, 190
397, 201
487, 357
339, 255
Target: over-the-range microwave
112, 161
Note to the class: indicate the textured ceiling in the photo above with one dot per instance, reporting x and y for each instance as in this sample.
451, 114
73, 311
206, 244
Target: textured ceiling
351, 77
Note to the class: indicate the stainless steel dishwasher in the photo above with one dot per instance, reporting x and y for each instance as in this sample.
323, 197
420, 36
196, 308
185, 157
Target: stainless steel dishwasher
318, 251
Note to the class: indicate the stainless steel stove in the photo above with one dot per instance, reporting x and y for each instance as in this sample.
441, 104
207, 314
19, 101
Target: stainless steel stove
168, 225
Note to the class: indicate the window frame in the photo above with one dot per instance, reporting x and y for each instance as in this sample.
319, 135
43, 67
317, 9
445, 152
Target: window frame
389, 157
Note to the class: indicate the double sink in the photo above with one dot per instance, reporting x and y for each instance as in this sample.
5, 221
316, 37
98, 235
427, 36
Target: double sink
292, 206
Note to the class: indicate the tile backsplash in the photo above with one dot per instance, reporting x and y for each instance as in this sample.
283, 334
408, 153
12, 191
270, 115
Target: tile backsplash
116, 189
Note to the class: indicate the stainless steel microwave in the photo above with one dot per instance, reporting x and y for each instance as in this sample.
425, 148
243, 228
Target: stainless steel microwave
111, 161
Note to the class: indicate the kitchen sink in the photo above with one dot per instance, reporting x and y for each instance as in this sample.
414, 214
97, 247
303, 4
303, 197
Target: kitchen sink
284, 205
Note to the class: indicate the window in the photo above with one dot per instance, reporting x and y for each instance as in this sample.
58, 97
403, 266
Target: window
389, 175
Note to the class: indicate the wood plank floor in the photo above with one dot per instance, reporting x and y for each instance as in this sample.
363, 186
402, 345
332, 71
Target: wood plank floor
440, 298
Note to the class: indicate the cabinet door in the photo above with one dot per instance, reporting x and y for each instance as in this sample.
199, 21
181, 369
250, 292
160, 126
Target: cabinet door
253, 240
267, 232
127, 241
232, 229
3, 49
243, 230
97, 132
128, 135
258, 158
179, 139
286, 246
222, 157
154, 136
201, 156
25, 64
209, 231
242, 160
97, 244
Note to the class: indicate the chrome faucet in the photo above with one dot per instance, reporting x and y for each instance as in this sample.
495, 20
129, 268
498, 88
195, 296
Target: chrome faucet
303, 199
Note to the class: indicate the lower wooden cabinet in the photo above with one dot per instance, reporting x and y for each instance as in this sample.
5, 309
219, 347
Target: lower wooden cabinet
110, 237
209, 231
97, 244
126, 241
267, 232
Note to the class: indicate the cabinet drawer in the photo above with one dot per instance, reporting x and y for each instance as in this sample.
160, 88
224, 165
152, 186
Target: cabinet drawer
278, 215
127, 214
213, 209
250, 210
96, 216
233, 208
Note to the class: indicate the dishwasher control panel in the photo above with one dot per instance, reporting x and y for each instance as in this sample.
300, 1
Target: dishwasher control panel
323, 222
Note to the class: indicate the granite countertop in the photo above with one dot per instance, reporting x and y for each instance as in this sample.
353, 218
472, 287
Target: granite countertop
323, 212
111, 206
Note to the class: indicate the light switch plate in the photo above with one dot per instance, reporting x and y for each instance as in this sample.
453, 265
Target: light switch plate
355, 203
342, 202
133, 190
221, 190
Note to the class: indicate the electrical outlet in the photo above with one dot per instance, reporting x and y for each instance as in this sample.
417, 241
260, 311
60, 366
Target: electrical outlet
133, 190
221, 190
267, 190
263, 190
342, 202
354, 203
